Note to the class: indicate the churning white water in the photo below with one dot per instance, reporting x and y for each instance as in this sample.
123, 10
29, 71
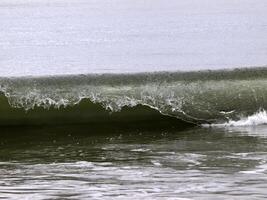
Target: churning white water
259, 118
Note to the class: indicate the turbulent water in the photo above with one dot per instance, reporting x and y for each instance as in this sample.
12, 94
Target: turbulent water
128, 99
85, 163
204, 97
164, 135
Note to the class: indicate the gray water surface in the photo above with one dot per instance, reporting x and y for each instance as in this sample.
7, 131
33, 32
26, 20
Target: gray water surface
197, 163
48, 37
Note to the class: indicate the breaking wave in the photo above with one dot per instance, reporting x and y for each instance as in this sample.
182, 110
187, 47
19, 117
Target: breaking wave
204, 97
259, 118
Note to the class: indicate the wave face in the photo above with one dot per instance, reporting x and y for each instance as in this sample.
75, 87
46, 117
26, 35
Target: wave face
195, 97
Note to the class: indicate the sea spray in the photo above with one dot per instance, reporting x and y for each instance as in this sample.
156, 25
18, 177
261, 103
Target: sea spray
258, 118
205, 97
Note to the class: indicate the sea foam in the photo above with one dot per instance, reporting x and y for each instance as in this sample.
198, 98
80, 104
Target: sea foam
258, 118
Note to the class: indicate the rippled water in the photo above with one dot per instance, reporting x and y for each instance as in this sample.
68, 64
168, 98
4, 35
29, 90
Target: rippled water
52, 37
48, 37
81, 163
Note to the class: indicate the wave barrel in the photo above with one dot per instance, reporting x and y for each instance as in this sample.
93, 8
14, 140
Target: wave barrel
192, 97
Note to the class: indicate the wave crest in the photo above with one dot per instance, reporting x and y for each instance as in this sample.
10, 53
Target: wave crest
197, 97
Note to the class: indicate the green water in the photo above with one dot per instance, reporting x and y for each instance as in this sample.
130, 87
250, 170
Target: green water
83, 162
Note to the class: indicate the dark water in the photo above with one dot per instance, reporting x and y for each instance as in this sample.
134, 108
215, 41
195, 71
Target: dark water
81, 162
198, 97
135, 136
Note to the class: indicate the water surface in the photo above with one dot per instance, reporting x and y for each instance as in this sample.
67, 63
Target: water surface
47, 37
82, 163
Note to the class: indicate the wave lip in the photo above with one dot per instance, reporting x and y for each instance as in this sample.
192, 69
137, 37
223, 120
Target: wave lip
204, 97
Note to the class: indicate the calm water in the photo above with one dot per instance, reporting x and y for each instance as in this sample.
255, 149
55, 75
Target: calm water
48, 37
80, 163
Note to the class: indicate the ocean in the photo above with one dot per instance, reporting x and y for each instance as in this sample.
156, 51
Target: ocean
123, 99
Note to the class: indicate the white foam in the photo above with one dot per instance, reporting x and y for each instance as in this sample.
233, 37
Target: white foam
261, 169
259, 118
156, 163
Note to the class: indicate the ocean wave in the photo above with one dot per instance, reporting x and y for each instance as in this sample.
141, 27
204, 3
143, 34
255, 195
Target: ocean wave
259, 118
204, 97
